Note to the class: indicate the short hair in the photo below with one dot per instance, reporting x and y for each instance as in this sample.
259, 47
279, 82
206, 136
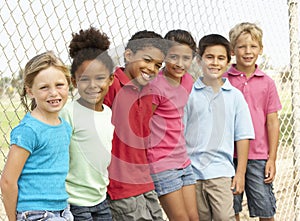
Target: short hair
212, 40
144, 39
245, 27
182, 37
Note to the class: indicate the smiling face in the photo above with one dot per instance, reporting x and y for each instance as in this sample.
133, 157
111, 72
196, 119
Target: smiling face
143, 66
246, 51
178, 60
92, 79
50, 90
214, 62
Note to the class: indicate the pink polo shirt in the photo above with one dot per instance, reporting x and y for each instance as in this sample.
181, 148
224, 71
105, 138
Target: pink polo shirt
261, 95
167, 148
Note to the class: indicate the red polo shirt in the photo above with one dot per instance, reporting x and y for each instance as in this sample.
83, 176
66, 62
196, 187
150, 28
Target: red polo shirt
129, 172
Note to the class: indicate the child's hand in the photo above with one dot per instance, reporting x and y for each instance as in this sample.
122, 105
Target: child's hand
270, 171
238, 184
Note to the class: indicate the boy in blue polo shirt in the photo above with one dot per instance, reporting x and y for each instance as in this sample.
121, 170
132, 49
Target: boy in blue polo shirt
217, 118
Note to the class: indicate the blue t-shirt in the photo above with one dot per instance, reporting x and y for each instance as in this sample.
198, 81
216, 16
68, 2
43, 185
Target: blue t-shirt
42, 181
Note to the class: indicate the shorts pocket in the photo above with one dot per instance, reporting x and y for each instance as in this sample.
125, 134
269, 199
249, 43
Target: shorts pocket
123, 206
32, 216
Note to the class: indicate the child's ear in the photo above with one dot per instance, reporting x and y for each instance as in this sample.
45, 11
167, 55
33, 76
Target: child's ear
128, 55
261, 50
29, 92
111, 79
74, 83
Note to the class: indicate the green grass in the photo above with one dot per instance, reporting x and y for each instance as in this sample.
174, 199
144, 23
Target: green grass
11, 113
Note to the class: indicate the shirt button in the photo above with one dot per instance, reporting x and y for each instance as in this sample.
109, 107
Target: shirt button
246, 83
242, 75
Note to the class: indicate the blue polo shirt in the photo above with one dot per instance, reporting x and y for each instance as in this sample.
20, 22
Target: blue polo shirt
213, 121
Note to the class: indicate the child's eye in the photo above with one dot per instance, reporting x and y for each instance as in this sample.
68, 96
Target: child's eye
83, 79
173, 56
187, 58
158, 66
61, 85
147, 60
101, 78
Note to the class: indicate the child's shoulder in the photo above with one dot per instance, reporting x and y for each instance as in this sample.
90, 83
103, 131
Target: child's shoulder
188, 77
188, 81
233, 91
26, 126
120, 78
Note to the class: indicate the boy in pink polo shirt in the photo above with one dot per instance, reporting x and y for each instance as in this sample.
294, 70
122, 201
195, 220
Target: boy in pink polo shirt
261, 95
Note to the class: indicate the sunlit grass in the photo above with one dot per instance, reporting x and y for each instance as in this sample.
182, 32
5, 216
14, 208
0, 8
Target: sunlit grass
11, 113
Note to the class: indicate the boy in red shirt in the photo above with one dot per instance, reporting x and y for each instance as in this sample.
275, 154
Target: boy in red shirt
131, 189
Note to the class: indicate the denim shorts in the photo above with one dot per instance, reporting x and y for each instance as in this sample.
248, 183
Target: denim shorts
171, 180
260, 196
99, 212
43, 215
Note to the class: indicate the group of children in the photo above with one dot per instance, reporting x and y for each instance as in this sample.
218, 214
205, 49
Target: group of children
146, 136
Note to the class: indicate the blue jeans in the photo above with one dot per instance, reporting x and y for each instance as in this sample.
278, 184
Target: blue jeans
43, 215
100, 212
260, 196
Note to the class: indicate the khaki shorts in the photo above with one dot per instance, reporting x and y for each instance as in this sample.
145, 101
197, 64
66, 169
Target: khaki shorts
215, 199
142, 207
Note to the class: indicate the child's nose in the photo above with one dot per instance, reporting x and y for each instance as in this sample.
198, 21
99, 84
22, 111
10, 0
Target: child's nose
179, 63
53, 91
151, 67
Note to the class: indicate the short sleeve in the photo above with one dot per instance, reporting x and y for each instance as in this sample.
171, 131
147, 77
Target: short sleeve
24, 137
112, 92
157, 96
274, 104
243, 121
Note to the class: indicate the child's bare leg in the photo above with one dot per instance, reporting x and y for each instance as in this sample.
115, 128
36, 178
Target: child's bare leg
174, 206
189, 195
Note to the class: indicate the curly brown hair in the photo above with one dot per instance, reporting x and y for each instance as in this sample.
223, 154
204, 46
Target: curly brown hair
87, 45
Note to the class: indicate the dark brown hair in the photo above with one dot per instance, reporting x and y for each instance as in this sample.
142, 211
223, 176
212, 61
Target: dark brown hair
90, 44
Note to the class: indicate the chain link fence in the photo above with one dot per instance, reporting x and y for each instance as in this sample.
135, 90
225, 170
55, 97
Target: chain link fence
31, 27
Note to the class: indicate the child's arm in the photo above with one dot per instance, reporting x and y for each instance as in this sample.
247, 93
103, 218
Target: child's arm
273, 136
112, 92
154, 106
9, 180
238, 182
